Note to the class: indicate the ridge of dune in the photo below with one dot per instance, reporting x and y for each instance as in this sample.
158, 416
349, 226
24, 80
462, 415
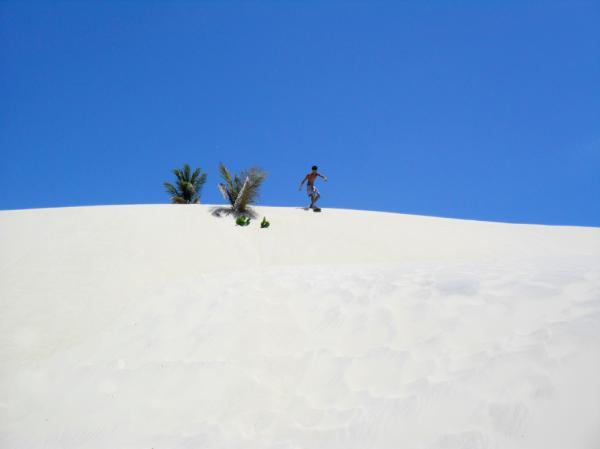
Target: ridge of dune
163, 326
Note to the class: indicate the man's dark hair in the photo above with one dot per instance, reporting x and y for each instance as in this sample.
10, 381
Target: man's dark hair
314, 167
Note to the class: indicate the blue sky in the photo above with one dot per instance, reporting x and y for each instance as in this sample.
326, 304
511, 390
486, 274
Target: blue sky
475, 109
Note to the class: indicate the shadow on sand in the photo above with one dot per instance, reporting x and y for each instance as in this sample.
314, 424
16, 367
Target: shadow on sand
221, 211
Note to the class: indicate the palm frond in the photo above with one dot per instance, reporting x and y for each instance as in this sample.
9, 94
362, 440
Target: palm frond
200, 181
242, 189
256, 177
178, 174
187, 187
223, 189
171, 188
226, 175
241, 199
195, 175
229, 186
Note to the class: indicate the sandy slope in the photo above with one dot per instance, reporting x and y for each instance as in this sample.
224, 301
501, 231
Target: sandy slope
165, 327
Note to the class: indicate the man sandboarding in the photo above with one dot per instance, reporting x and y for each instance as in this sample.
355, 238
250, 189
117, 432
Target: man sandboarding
311, 189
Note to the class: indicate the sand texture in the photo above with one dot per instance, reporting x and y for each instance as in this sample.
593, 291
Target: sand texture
162, 326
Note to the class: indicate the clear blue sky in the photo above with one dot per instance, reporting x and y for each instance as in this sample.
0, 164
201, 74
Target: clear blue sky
474, 109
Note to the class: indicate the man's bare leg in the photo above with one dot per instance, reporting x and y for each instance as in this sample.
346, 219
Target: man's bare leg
315, 198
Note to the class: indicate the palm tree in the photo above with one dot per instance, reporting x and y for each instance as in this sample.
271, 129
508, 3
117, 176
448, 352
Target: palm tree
188, 185
241, 190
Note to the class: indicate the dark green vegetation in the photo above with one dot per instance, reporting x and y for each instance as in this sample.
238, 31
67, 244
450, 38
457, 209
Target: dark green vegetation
242, 220
187, 187
239, 190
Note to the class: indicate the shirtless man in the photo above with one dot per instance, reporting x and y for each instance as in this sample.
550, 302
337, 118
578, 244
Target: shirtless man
312, 190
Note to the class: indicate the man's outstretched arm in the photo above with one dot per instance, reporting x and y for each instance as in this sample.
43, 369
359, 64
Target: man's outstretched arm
322, 176
302, 183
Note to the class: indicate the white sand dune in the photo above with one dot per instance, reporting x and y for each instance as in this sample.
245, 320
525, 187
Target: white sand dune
165, 327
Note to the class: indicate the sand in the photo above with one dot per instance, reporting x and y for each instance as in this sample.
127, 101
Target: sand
161, 326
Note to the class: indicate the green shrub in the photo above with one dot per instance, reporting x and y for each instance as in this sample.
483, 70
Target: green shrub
242, 220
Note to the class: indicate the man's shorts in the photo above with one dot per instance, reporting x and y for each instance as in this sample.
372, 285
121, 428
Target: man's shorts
312, 190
